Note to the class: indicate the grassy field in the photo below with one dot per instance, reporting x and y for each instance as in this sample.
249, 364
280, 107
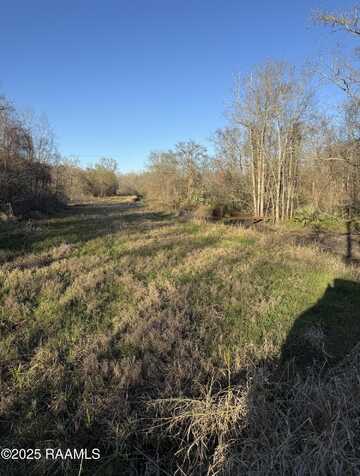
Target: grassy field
176, 347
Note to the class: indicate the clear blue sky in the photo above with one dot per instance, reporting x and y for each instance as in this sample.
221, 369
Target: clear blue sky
121, 78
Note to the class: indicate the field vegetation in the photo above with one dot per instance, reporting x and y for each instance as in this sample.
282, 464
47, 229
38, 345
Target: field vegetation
176, 346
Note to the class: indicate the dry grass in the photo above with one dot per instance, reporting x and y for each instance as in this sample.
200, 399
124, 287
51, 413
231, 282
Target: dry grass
269, 425
124, 329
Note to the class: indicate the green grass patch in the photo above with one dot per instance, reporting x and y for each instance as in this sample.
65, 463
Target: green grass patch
102, 308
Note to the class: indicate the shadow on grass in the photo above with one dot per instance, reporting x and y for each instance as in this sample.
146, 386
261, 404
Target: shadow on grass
345, 245
324, 334
77, 225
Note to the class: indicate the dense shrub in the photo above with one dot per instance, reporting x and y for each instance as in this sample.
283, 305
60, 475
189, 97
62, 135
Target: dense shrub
312, 216
102, 180
26, 180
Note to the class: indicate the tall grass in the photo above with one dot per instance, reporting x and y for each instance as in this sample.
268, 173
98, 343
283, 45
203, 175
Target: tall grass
162, 343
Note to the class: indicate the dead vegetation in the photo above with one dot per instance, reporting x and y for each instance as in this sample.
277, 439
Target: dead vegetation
162, 343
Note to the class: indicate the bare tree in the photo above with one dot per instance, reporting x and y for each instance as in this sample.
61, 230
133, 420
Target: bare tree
191, 158
228, 178
345, 21
271, 105
26, 182
345, 73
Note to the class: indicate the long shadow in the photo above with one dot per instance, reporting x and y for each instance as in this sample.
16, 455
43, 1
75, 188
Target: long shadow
349, 257
284, 404
76, 225
344, 245
327, 332
349, 244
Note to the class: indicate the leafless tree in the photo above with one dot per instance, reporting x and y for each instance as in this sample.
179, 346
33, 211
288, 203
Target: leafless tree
271, 106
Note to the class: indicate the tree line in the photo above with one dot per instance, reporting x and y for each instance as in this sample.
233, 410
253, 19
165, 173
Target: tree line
34, 176
278, 157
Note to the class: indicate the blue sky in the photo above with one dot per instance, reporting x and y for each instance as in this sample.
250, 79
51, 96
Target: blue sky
121, 78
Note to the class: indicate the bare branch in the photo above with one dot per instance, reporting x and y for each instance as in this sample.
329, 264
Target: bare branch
344, 21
